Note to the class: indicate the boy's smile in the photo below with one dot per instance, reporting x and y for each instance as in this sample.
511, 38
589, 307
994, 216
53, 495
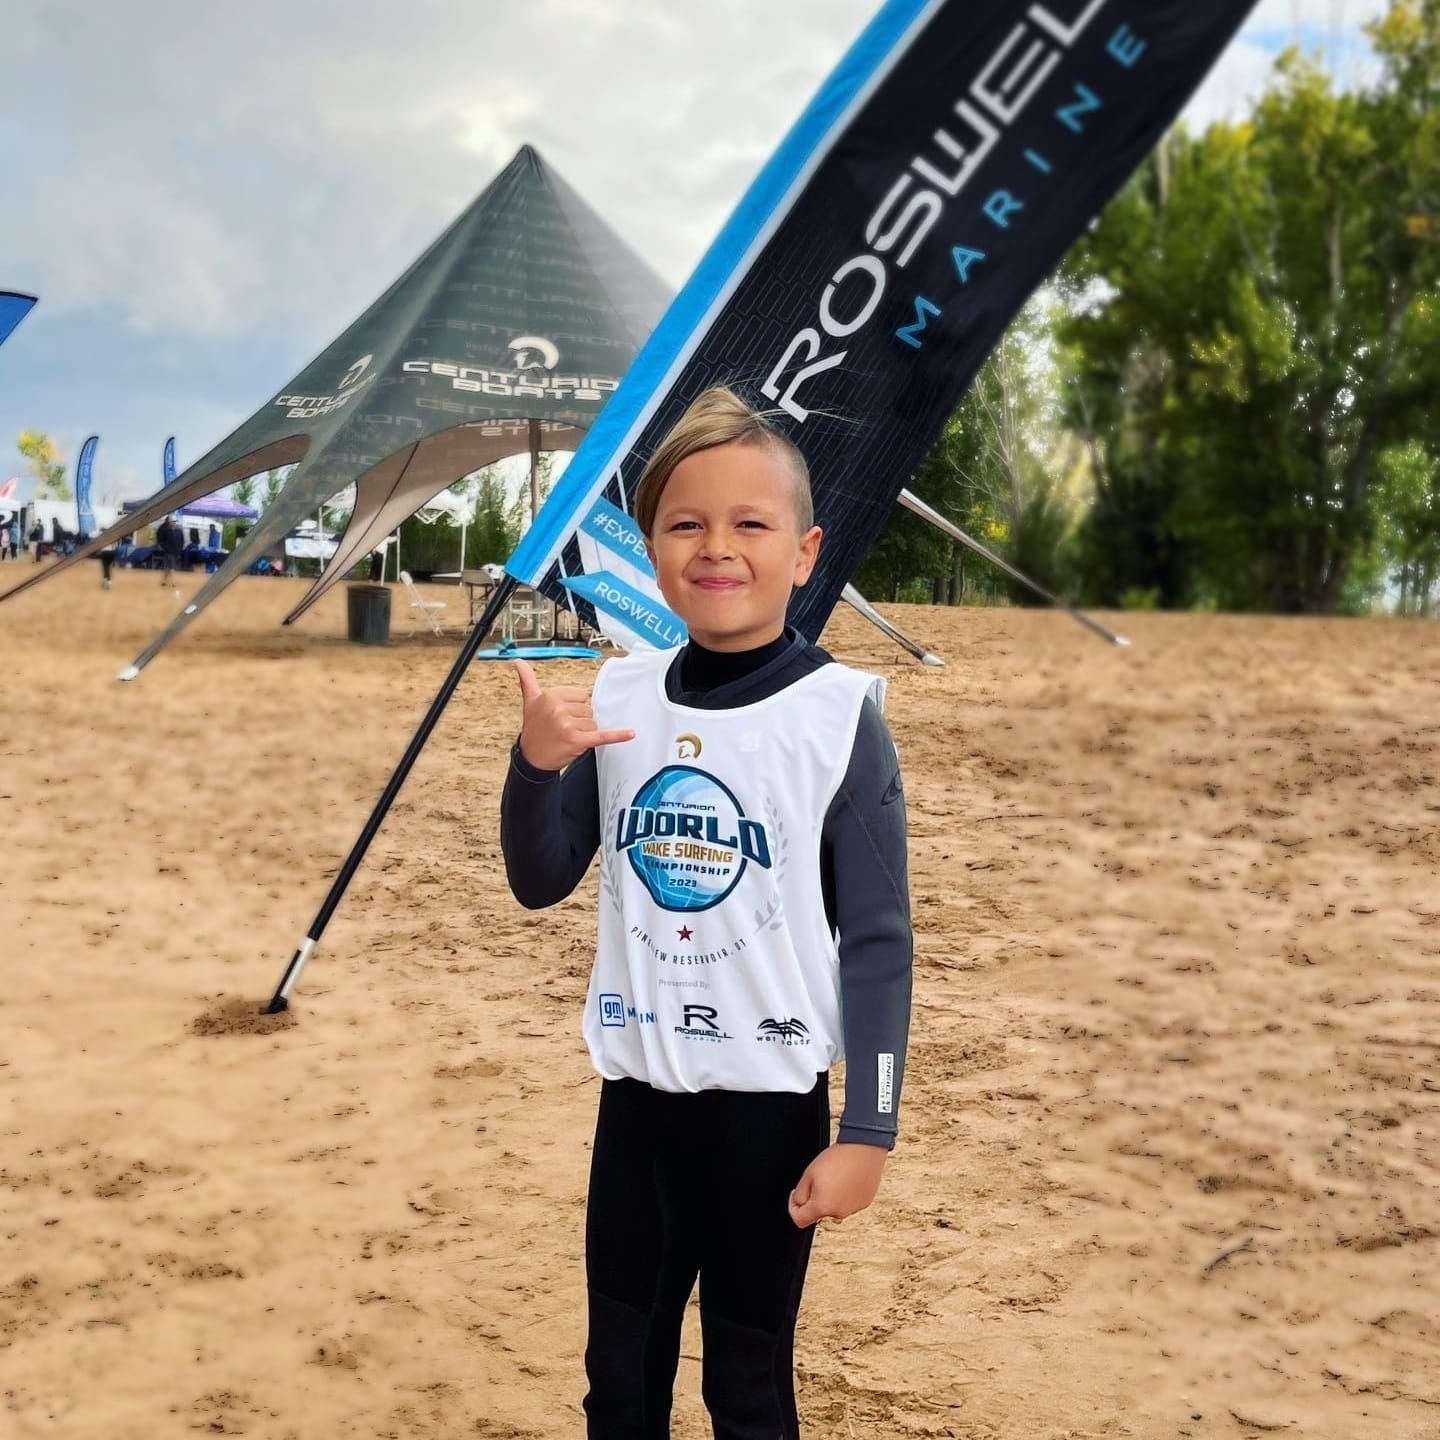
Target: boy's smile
727, 547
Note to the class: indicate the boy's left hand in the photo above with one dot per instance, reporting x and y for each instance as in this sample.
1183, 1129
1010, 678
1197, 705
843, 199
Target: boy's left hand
839, 1181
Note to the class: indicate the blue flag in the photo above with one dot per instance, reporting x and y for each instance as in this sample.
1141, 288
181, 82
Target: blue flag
932, 184
13, 309
169, 461
84, 483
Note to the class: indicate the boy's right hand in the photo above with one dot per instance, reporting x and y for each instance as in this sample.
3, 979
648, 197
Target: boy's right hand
558, 724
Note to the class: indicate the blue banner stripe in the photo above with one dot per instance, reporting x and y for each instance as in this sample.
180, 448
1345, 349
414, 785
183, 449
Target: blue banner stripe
682, 324
629, 607
609, 526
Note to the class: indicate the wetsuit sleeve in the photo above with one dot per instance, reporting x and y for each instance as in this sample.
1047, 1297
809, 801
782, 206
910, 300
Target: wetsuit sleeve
549, 828
865, 870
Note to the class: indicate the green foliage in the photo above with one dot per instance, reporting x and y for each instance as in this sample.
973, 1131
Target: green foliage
429, 548
492, 537
43, 457
244, 490
998, 473
1253, 324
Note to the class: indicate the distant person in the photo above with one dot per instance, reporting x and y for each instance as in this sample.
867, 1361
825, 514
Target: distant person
377, 566
212, 540
37, 538
12, 538
107, 563
170, 543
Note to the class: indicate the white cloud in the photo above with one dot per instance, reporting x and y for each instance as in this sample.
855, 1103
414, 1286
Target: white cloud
1245, 68
217, 190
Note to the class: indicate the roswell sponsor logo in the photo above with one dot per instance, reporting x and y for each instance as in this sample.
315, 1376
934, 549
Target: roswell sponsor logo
702, 1022
790, 1032
310, 407
1001, 91
688, 839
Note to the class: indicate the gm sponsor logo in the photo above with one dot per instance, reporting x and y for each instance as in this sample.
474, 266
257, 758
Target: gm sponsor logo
615, 1013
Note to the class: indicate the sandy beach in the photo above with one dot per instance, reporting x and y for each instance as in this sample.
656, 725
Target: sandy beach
1169, 1161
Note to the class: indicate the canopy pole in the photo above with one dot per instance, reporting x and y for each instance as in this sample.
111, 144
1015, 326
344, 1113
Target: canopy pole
919, 507
534, 469
476, 638
853, 598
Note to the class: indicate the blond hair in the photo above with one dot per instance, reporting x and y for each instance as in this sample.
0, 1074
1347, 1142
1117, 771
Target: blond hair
718, 416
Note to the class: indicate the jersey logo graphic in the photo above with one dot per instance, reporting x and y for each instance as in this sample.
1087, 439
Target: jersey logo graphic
894, 792
688, 839
785, 1032
688, 747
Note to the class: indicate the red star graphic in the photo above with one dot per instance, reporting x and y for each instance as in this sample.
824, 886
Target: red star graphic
684, 932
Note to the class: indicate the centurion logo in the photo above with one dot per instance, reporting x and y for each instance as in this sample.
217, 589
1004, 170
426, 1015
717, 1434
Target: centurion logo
534, 352
309, 407
531, 372
999, 94
688, 839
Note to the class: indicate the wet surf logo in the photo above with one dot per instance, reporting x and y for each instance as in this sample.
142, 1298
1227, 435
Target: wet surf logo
688, 839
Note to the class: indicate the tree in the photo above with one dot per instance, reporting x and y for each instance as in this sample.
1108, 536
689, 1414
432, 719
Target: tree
43, 457
1406, 512
992, 473
244, 490
491, 538
274, 484
1253, 323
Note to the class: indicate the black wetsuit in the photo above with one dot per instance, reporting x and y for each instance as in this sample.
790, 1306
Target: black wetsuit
696, 1184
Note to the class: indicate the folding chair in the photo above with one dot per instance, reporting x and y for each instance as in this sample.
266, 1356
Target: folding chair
428, 608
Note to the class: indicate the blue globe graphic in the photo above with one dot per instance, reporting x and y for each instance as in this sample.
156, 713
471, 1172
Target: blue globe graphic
684, 884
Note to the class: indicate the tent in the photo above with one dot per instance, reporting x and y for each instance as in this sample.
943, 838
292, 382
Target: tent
510, 331
213, 507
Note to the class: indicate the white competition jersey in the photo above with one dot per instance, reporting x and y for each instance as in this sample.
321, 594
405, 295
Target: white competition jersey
715, 967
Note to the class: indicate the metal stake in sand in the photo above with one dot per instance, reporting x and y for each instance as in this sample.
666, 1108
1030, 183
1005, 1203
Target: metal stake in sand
915, 503
473, 641
856, 601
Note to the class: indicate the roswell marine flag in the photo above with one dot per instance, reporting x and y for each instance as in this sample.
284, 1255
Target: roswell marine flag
934, 181
13, 309
84, 484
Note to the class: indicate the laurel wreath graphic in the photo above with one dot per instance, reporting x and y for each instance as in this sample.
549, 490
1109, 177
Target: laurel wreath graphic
609, 881
771, 917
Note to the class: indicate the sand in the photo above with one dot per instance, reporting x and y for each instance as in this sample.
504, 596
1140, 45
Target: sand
1169, 1163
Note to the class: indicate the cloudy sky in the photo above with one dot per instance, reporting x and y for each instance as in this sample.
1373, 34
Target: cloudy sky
204, 194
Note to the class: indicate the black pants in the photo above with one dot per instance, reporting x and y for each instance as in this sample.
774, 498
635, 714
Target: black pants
696, 1185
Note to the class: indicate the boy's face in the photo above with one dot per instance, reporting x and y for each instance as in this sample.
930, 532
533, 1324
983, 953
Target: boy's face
727, 545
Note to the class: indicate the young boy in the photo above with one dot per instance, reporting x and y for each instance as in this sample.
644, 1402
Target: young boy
754, 928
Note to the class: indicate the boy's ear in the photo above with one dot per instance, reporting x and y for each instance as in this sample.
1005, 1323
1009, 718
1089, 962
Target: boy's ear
809, 551
650, 551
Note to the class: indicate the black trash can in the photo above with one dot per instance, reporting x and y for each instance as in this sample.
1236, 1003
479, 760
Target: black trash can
368, 611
